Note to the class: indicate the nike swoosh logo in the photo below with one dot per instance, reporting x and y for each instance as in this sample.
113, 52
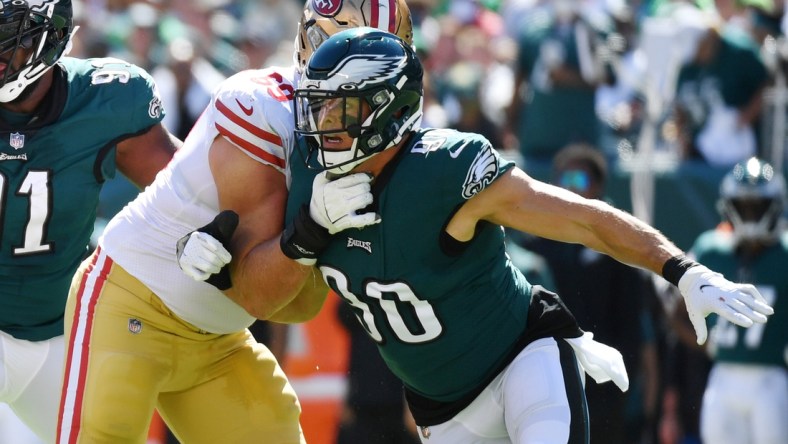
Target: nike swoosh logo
247, 111
703, 286
454, 152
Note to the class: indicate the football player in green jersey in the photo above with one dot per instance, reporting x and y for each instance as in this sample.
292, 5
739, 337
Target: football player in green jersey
746, 397
66, 126
484, 355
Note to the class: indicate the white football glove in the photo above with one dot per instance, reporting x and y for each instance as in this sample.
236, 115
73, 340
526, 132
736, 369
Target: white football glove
600, 361
335, 202
202, 256
705, 292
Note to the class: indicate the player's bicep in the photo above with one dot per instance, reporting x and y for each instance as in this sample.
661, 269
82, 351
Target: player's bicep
140, 157
518, 201
254, 190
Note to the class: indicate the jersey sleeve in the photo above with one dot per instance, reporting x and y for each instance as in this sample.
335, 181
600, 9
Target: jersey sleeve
471, 165
148, 106
121, 85
118, 98
253, 111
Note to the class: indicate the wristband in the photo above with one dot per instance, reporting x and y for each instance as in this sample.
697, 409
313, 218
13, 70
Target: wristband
304, 238
675, 268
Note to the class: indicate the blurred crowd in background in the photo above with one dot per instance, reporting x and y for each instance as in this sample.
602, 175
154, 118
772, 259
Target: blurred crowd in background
678, 90
561, 71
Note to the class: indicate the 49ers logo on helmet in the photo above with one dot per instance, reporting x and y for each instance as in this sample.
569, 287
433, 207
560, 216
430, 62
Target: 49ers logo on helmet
327, 8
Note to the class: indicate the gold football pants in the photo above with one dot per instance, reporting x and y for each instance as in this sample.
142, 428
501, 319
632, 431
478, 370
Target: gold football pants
127, 354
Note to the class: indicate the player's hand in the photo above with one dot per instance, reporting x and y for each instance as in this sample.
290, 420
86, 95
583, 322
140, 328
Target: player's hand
705, 292
202, 254
600, 361
335, 203
334, 207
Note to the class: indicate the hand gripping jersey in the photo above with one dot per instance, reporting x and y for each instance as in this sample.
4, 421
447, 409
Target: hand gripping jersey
432, 312
252, 109
52, 167
761, 344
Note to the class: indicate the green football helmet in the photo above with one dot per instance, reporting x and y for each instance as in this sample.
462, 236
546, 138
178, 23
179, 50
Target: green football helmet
371, 81
752, 199
42, 26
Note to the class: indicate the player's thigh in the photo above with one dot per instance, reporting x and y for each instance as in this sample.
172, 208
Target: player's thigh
30, 377
529, 402
543, 395
769, 421
246, 397
724, 410
117, 358
482, 421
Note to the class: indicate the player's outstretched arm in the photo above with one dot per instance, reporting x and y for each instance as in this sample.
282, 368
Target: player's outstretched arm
518, 201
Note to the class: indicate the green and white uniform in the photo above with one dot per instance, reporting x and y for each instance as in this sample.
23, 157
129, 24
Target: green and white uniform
429, 325
52, 167
451, 319
746, 398
761, 344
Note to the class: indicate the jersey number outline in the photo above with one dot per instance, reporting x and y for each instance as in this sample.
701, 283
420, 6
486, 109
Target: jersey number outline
36, 187
426, 328
276, 86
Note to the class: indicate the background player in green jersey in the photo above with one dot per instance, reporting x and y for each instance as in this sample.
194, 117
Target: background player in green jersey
66, 125
484, 355
746, 398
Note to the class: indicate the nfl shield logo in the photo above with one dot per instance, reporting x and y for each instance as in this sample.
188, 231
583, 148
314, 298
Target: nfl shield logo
135, 326
17, 140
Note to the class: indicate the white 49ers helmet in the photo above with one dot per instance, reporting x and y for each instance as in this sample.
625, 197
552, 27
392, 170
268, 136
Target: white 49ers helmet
323, 18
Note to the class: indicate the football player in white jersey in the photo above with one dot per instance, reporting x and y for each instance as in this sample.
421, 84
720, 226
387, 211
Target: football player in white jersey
143, 335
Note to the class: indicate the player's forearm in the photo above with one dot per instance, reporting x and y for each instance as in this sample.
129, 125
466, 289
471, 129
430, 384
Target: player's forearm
265, 280
307, 303
629, 240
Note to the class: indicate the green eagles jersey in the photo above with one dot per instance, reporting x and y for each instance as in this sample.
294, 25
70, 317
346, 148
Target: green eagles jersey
443, 321
52, 166
761, 343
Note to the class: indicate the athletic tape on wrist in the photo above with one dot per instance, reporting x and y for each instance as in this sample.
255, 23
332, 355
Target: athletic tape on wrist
675, 268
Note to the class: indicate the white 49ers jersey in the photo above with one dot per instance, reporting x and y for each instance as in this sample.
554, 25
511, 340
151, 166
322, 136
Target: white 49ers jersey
253, 110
